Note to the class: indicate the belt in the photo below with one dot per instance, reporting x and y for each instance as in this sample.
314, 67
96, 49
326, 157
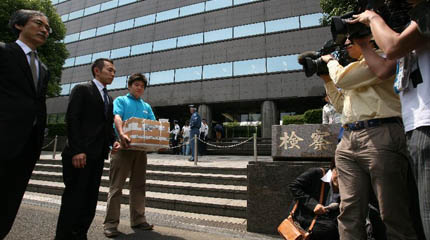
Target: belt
371, 123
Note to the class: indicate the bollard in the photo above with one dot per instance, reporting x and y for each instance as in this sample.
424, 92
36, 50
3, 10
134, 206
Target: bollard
255, 146
196, 152
55, 147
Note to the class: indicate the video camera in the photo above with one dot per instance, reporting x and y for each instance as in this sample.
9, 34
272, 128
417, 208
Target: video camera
312, 62
394, 13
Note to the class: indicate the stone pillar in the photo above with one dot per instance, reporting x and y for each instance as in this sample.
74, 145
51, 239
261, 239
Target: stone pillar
206, 112
269, 117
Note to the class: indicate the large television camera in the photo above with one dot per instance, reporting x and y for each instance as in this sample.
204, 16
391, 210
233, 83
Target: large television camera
394, 12
313, 64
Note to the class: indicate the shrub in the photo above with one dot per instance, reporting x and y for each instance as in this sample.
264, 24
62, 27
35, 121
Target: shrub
313, 116
296, 119
59, 129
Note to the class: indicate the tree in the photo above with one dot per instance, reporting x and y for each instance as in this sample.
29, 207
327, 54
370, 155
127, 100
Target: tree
336, 8
54, 52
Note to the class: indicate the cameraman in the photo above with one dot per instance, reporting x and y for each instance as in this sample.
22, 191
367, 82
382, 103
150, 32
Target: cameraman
415, 96
372, 154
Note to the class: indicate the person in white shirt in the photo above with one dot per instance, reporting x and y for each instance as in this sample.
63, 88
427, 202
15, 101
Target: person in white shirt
186, 137
204, 130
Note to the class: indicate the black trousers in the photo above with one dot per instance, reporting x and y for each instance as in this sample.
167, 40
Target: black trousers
79, 200
14, 176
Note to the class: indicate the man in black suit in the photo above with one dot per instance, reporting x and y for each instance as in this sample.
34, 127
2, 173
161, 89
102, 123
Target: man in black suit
23, 84
90, 131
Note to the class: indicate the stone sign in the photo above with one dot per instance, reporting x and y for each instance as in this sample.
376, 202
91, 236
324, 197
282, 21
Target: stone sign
304, 140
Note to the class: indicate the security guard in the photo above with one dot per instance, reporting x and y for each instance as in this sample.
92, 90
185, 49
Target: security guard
195, 124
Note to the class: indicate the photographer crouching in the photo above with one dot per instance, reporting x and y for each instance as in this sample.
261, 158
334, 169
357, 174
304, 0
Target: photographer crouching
412, 47
372, 154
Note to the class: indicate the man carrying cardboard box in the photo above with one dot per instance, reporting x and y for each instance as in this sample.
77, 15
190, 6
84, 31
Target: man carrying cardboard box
128, 162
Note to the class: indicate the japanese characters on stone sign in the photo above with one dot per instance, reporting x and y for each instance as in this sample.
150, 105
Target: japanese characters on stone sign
292, 140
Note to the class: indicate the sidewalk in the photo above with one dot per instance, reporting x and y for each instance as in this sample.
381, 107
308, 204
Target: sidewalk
220, 161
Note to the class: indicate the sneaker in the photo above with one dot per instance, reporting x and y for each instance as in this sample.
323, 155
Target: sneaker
144, 226
111, 232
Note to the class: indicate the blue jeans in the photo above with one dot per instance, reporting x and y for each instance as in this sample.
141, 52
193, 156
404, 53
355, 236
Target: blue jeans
186, 147
419, 148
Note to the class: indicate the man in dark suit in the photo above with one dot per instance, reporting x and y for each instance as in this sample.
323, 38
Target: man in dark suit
23, 84
89, 120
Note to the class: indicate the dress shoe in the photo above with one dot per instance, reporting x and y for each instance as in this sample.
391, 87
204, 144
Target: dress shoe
111, 232
144, 226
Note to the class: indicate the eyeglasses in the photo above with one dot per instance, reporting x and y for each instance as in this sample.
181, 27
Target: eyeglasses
41, 24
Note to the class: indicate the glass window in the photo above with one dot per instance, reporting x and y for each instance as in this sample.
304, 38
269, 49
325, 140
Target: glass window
166, 15
188, 74
141, 48
192, 9
162, 77
109, 5
238, 2
310, 20
190, 40
165, 44
54, 2
124, 25
69, 62
218, 35
282, 24
120, 52
65, 89
60, 1
248, 67
64, 17
88, 34
105, 29
83, 59
124, 2
145, 20
218, 70
217, 4
76, 14
118, 82
61, 117
146, 75
92, 10
105, 54
249, 30
71, 38
283, 63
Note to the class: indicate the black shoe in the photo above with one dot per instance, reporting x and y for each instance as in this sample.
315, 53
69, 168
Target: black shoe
144, 226
111, 232
190, 160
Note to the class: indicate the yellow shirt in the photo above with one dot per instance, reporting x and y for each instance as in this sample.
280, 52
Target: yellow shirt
363, 95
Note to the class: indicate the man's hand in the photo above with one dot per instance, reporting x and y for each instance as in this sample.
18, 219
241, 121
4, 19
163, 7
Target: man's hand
116, 146
319, 209
363, 17
79, 160
125, 140
327, 57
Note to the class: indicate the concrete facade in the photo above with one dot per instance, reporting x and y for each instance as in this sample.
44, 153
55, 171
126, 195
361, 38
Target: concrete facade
233, 95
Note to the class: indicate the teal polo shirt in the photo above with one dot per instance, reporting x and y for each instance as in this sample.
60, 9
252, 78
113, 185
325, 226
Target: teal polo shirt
128, 106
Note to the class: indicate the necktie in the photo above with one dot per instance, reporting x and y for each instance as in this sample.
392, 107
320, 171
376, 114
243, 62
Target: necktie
33, 67
106, 100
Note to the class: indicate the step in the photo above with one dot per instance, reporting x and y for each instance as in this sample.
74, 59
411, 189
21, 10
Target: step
177, 202
171, 168
184, 188
208, 178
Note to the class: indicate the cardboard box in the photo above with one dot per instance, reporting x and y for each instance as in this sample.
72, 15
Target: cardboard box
147, 135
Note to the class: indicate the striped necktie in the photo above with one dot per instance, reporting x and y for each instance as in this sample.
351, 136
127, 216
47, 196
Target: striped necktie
106, 100
33, 67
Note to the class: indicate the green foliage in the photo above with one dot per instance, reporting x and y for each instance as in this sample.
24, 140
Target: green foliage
313, 116
233, 131
336, 8
310, 116
59, 129
296, 119
53, 53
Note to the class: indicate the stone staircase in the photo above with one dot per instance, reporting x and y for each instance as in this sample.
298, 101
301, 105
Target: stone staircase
219, 191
